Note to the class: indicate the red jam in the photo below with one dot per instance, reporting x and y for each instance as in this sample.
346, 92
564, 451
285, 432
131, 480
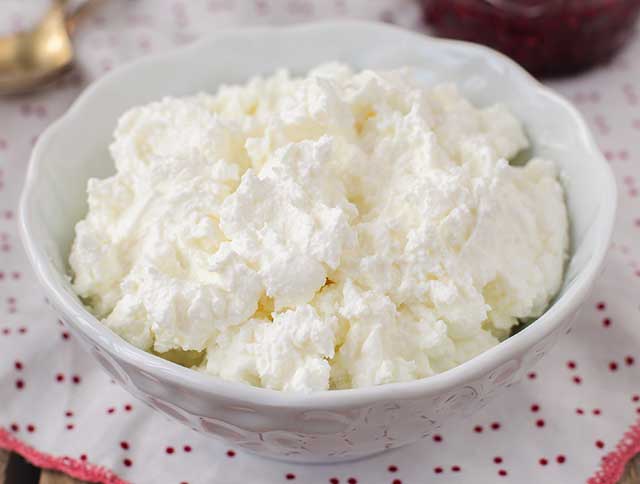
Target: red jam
548, 37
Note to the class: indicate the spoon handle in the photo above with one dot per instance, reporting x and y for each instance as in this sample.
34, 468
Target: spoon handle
79, 13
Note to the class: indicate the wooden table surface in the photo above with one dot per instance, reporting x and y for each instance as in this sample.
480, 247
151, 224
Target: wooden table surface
15, 470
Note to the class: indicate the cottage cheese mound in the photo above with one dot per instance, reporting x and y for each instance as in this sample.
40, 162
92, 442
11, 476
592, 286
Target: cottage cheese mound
333, 231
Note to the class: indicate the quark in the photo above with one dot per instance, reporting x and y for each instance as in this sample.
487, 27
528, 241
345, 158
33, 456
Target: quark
333, 231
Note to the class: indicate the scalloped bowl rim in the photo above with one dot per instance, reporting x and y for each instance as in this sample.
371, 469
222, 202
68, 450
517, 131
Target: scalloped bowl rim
86, 323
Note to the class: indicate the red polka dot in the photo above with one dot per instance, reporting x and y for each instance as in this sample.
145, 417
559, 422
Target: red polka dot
18, 365
599, 444
334, 480
19, 384
597, 411
352, 480
532, 375
15, 427
606, 322
187, 448
31, 428
601, 306
629, 360
456, 468
502, 473
613, 366
83, 457
169, 450
438, 470
231, 453
6, 331
128, 407
477, 429
571, 365
437, 438
638, 410
111, 410
65, 335
535, 408
543, 462
396, 481
22, 330
539, 423
59, 377
579, 411
68, 413
70, 426
124, 445
635, 398
561, 459
127, 462
497, 460
495, 426
577, 380
392, 469
75, 379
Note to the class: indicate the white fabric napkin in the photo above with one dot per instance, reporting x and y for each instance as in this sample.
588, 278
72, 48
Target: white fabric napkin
60, 410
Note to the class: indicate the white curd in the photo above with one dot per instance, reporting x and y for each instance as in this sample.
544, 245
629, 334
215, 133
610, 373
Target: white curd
333, 231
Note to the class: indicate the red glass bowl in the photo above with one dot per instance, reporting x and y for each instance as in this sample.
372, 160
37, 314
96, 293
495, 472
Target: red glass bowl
548, 37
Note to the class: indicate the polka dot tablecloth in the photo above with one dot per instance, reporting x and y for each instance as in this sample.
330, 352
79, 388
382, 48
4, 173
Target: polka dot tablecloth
572, 420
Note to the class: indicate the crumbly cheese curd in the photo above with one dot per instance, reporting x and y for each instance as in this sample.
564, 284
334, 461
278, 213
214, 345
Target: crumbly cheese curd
338, 230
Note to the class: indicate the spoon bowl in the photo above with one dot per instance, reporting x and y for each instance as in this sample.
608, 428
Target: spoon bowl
31, 59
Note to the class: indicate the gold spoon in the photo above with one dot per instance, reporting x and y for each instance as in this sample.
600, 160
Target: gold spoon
33, 58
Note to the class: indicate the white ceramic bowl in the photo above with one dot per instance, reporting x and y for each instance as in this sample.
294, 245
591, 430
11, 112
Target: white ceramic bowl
334, 425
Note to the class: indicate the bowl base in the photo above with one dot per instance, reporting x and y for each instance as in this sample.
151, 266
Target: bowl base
325, 460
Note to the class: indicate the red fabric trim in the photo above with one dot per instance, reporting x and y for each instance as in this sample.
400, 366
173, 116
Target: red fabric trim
614, 462
73, 467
